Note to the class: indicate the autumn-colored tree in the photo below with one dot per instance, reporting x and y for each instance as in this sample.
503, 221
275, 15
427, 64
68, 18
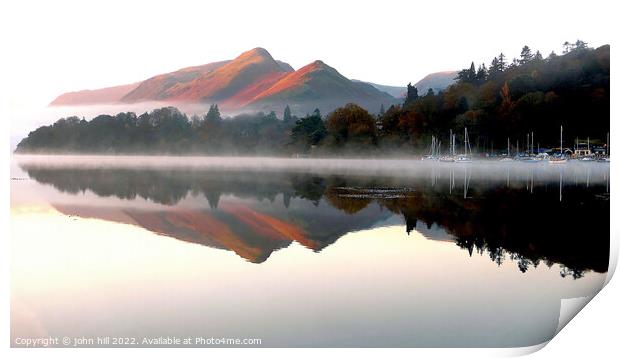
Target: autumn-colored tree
351, 124
505, 94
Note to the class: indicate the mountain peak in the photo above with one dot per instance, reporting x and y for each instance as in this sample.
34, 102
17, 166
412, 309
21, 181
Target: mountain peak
314, 67
256, 53
318, 65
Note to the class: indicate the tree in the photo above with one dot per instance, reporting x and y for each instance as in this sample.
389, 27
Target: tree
430, 92
412, 94
351, 124
196, 121
494, 69
580, 45
481, 74
501, 61
388, 123
552, 56
213, 115
467, 75
538, 57
526, 55
498, 65
308, 131
271, 117
287, 117
506, 99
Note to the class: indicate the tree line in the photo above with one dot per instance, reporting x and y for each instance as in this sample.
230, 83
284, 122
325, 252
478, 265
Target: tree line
506, 100
511, 100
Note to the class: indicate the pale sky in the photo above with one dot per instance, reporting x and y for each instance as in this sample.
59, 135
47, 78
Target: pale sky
58, 46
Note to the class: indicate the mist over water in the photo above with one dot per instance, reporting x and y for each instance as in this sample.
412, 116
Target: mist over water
489, 170
286, 249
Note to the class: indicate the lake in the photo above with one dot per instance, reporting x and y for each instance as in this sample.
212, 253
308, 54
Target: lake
303, 252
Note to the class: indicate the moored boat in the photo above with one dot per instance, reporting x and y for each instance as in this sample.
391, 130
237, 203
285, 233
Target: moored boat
462, 159
558, 160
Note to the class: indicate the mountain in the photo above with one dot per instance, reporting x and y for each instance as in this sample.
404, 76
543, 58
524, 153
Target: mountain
438, 81
232, 82
319, 85
253, 80
394, 91
98, 96
155, 88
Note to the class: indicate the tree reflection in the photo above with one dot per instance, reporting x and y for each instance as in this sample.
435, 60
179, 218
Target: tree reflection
519, 223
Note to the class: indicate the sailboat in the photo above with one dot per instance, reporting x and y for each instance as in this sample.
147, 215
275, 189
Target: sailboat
434, 151
450, 156
466, 156
588, 157
507, 158
529, 156
561, 159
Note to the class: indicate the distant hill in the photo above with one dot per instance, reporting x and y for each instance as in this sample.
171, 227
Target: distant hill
253, 80
438, 81
98, 96
394, 91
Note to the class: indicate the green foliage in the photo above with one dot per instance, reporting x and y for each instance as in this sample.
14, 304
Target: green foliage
287, 117
213, 115
412, 95
467, 75
532, 94
164, 130
308, 131
526, 55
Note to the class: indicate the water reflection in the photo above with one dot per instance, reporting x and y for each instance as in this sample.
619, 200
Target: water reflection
528, 214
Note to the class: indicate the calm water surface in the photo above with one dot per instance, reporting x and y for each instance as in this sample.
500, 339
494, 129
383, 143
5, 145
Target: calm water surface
304, 252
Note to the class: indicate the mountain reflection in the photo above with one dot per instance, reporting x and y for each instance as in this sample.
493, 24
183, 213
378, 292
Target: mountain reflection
564, 220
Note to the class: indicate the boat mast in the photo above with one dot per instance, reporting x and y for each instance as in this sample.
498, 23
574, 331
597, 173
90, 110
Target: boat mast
466, 144
508, 147
431, 151
527, 144
454, 146
561, 130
